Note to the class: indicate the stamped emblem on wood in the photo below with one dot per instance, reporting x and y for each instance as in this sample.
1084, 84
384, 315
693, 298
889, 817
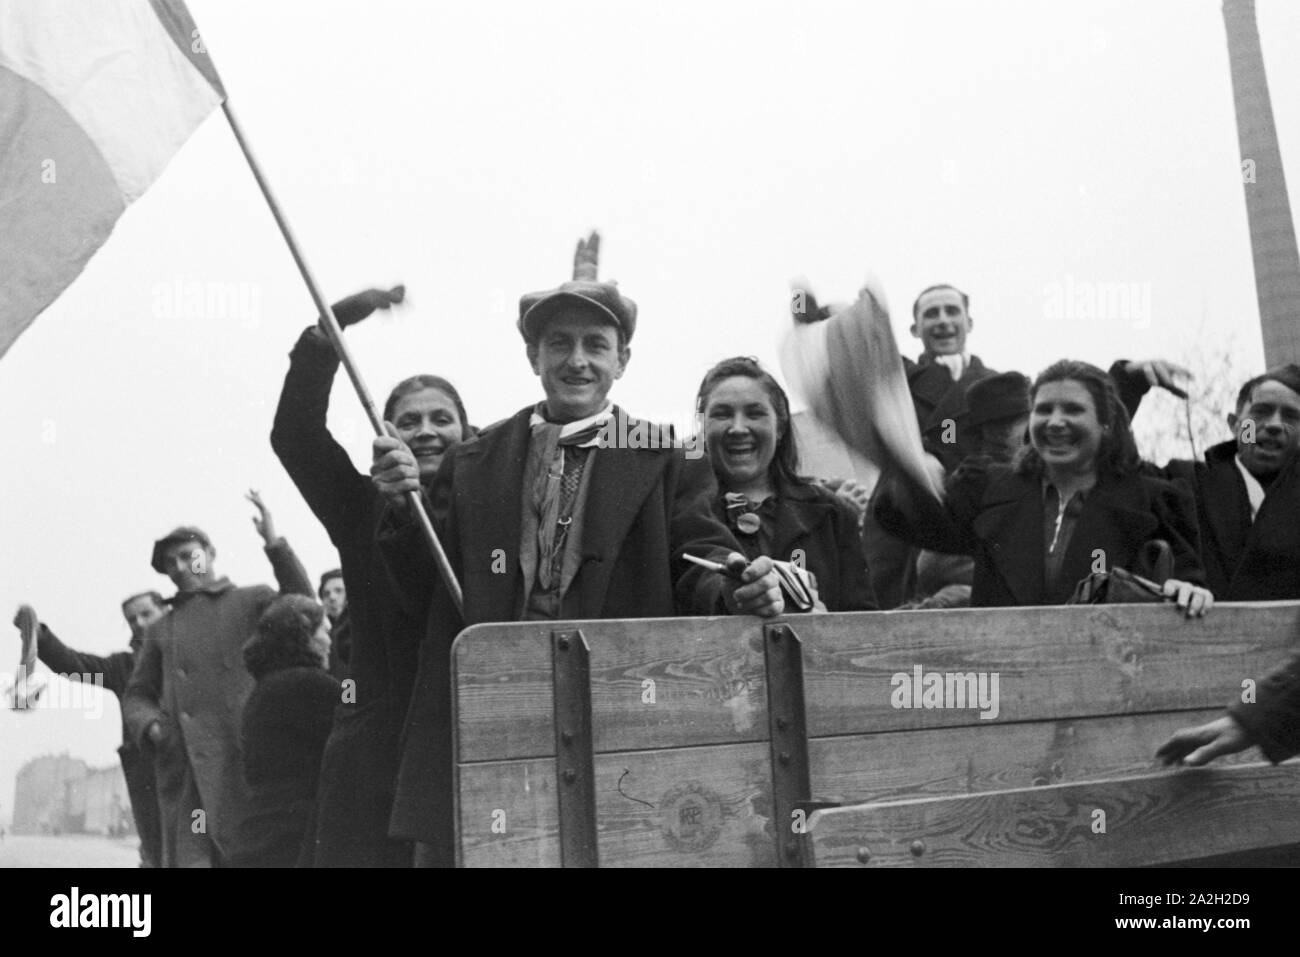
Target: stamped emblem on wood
690, 817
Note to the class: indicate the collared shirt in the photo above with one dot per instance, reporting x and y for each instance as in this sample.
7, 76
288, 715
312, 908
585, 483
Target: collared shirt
1059, 521
1254, 490
956, 365
220, 586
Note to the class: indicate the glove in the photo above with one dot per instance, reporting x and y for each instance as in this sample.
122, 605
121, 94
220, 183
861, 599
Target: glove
354, 308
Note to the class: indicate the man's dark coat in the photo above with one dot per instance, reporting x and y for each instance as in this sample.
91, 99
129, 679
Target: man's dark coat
642, 513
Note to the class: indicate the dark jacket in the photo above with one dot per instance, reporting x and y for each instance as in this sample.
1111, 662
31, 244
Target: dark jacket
1244, 560
642, 512
996, 516
190, 677
938, 398
285, 724
137, 766
811, 526
359, 771
1273, 720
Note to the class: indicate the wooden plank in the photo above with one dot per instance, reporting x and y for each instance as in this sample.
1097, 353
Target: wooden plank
1051, 662
707, 673
518, 797
1150, 819
709, 686
690, 807
898, 765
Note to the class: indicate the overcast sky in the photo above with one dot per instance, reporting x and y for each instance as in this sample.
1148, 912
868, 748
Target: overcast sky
1025, 151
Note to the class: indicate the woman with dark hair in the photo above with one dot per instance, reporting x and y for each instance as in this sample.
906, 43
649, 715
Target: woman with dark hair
1070, 503
745, 419
285, 723
359, 773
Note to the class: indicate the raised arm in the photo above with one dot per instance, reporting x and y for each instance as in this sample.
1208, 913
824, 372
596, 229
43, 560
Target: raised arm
290, 574
114, 670
321, 469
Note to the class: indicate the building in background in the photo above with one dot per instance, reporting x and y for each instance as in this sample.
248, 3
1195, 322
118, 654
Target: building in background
58, 794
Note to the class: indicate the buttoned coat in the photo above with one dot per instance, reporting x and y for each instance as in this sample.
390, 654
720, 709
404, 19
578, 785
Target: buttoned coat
190, 678
643, 511
996, 515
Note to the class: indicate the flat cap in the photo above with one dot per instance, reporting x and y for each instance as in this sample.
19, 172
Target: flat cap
177, 536
602, 298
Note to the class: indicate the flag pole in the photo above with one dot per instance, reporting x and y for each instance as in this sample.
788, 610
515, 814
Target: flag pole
330, 326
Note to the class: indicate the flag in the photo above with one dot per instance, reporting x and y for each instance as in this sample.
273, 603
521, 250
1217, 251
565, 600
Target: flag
95, 99
850, 372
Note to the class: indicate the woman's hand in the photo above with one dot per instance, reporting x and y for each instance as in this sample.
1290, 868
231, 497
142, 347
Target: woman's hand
1193, 600
759, 588
394, 469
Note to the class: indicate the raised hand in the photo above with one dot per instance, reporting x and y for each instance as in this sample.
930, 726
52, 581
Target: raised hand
262, 521
357, 307
586, 258
1161, 373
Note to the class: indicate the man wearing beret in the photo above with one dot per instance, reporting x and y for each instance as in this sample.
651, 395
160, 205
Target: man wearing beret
1247, 489
541, 521
185, 696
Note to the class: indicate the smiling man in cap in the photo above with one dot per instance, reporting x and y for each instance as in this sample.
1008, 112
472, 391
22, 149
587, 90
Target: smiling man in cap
184, 699
541, 520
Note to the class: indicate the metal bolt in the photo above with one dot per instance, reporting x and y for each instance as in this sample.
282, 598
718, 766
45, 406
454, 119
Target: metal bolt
570, 776
864, 855
563, 643
783, 757
566, 737
918, 848
777, 633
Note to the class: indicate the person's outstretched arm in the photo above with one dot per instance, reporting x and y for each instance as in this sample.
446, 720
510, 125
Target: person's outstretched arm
321, 469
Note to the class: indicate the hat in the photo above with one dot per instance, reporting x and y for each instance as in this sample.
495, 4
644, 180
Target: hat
600, 297
1001, 396
185, 533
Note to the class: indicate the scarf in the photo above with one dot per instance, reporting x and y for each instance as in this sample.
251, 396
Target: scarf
556, 487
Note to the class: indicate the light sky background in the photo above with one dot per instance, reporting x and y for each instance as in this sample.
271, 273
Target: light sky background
722, 148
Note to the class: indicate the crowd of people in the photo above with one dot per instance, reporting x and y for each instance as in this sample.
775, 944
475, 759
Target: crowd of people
312, 726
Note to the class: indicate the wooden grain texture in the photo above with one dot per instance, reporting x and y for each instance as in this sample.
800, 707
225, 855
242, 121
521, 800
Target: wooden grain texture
708, 676
936, 761
710, 688
689, 807
1150, 819
1052, 662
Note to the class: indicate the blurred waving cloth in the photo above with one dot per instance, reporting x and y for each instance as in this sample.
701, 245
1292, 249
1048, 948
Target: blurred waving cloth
845, 363
95, 99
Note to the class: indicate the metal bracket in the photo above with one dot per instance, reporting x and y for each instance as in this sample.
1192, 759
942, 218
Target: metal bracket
575, 765
788, 731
